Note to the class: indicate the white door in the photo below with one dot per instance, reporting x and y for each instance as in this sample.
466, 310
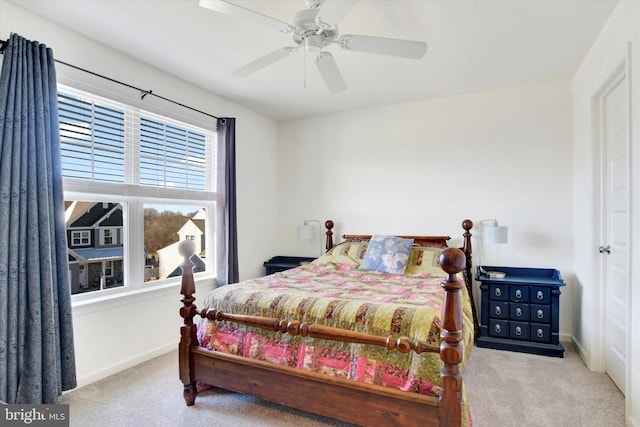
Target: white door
615, 249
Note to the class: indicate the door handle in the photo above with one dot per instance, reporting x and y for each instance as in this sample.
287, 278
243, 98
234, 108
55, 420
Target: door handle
604, 249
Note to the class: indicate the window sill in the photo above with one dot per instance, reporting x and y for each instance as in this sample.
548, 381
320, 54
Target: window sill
106, 299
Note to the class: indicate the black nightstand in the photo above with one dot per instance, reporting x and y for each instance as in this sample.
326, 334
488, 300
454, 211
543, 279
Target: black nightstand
520, 312
282, 263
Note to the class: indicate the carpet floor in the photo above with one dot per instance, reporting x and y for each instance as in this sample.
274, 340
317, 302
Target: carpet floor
503, 388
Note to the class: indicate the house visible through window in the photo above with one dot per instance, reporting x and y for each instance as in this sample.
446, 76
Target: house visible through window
164, 227
135, 185
99, 265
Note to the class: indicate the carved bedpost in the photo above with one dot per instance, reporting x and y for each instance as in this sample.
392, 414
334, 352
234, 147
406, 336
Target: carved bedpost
467, 224
452, 261
188, 337
329, 225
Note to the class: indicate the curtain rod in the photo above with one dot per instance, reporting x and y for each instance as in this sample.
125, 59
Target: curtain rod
144, 93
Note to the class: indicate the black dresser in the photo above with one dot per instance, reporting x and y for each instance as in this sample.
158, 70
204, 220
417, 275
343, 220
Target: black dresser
282, 263
520, 312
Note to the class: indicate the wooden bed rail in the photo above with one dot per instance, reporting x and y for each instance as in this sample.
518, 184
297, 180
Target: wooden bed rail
312, 330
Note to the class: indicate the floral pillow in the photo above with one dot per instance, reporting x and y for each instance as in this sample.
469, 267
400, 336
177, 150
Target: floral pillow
387, 254
424, 259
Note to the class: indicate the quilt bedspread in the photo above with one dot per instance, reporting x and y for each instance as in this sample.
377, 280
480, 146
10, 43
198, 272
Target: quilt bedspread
342, 296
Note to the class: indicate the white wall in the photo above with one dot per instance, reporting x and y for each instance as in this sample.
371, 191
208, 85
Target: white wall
117, 334
620, 36
423, 167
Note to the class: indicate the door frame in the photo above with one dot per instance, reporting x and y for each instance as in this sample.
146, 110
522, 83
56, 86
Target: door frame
621, 70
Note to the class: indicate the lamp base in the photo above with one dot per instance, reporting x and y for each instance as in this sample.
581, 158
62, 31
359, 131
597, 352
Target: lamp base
495, 274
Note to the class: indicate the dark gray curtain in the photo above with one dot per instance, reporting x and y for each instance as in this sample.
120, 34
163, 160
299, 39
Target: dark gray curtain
37, 359
227, 229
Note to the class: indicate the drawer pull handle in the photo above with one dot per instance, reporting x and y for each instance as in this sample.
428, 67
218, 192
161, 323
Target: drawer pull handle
497, 329
540, 314
498, 310
540, 333
540, 295
518, 312
498, 292
518, 293
518, 330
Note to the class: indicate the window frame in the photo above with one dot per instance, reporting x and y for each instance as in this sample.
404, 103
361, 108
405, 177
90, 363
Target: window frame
133, 198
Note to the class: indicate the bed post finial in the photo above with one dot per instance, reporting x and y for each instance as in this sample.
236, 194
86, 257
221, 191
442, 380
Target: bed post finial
467, 225
452, 261
329, 225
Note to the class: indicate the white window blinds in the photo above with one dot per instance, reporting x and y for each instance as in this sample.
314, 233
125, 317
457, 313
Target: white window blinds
108, 142
171, 155
92, 139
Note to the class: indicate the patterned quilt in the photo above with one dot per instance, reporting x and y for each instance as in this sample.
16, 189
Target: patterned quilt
340, 295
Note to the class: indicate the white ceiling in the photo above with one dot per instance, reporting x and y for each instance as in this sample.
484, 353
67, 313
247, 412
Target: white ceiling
474, 45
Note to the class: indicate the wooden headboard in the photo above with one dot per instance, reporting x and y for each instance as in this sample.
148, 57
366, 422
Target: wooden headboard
439, 241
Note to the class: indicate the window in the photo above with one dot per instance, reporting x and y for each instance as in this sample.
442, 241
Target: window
80, 238
108, 268
107, 236
139, 183
164, 227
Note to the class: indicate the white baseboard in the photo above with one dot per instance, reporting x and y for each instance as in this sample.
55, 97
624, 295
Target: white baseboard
581, 352
125, 364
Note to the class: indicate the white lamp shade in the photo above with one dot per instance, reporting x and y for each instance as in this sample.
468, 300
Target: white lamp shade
496, 234
306, 232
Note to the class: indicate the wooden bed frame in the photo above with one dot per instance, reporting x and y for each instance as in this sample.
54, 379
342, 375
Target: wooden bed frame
354, 402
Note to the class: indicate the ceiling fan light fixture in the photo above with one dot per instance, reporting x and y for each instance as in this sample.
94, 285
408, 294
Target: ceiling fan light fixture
314, 43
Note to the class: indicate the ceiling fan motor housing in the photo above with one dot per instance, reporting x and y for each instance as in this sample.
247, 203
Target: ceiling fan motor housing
311, 32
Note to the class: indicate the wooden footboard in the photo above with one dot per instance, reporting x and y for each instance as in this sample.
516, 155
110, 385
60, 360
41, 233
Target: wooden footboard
354, 402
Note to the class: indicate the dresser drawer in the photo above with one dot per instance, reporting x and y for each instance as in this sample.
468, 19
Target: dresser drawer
499, 310
519, 311
540, 333
519, 330
519, 293
540, 295
540, 313
499, 292
499, 328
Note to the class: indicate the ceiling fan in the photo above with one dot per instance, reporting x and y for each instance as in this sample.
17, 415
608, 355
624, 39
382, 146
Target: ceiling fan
310, 31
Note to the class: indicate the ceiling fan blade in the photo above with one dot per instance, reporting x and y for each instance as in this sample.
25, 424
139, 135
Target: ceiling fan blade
330, 72
334, 11
241, 12
383, 46
264, 61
